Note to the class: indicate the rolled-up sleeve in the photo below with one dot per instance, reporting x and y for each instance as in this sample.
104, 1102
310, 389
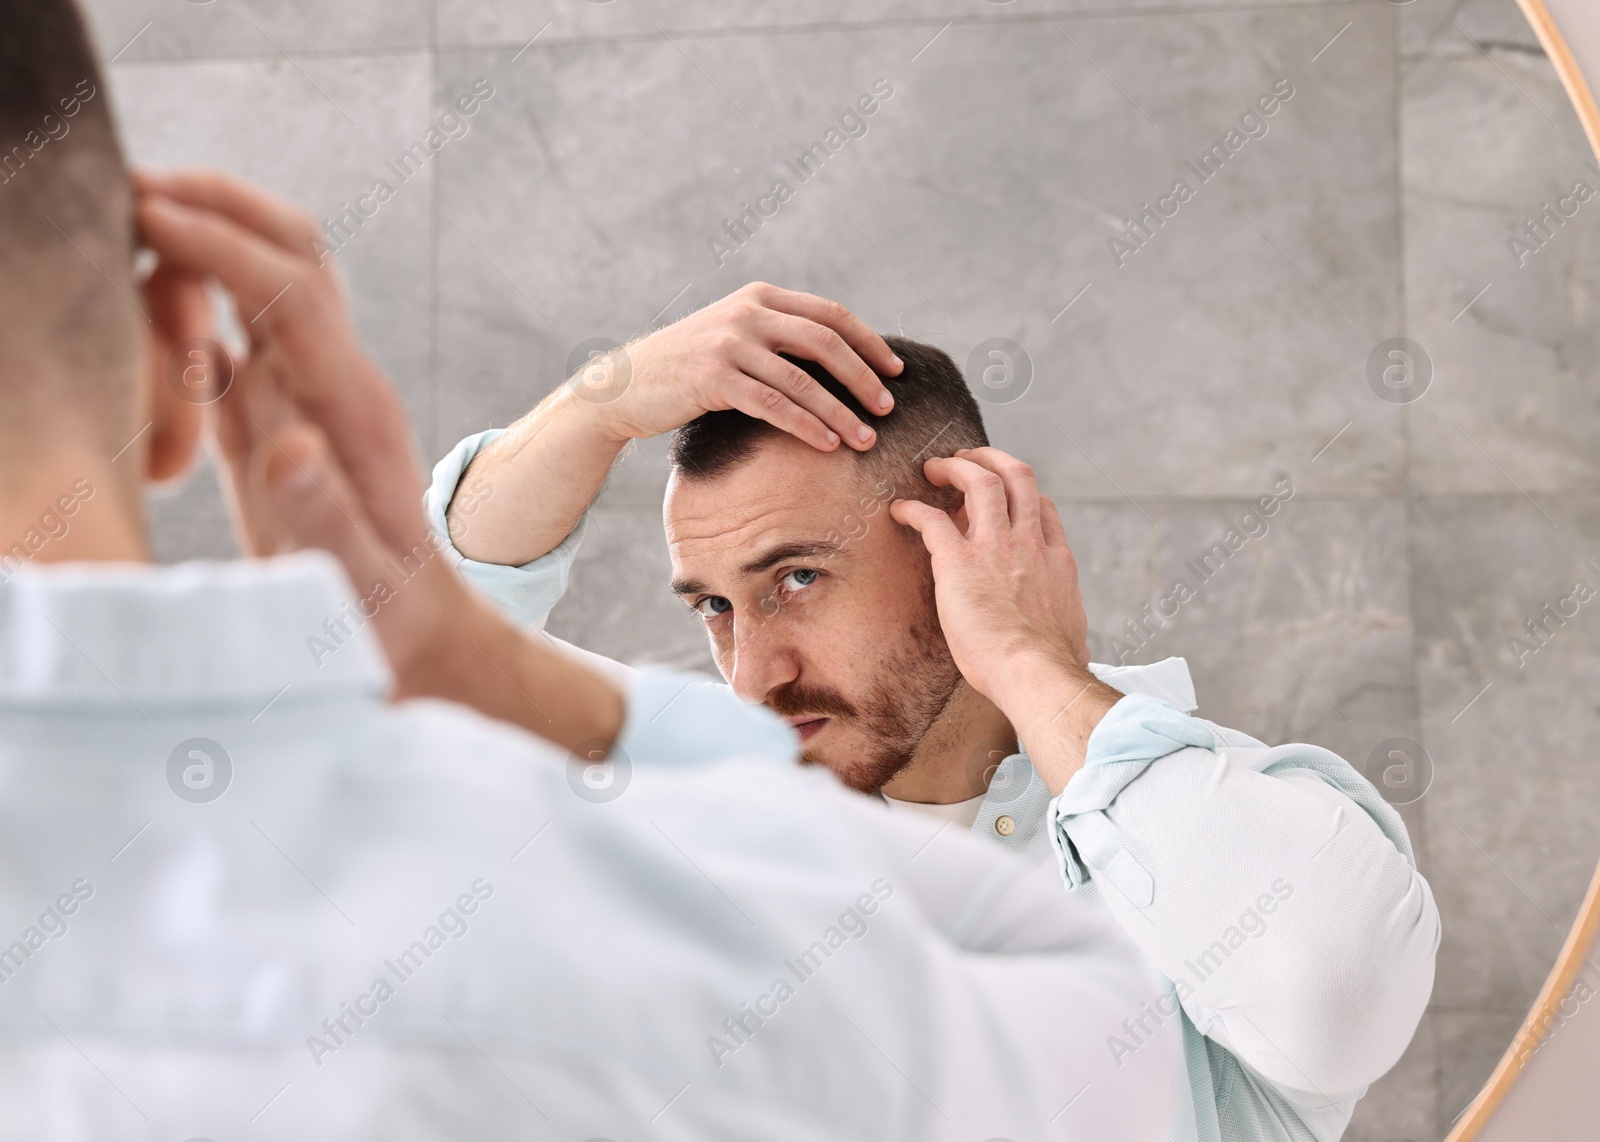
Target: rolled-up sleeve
527, 593
1272, 885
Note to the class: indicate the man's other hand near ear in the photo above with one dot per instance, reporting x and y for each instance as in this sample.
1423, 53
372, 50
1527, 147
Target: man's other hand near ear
1006, 585
317, 454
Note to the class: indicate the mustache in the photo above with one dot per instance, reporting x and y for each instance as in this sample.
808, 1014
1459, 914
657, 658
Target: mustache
796, 699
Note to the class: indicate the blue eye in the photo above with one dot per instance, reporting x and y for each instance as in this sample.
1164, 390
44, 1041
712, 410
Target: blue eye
800, 578
713, 605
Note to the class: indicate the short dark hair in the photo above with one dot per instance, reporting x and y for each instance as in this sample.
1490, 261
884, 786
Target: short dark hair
66, 214
934, 414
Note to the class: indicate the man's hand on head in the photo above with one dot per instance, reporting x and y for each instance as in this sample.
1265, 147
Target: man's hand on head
528, 489
317, 452
726, 356
1006, 587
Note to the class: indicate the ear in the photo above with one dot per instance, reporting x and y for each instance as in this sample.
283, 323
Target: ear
184, 370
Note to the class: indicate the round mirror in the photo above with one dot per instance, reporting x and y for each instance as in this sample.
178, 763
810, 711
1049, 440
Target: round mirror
1194, 257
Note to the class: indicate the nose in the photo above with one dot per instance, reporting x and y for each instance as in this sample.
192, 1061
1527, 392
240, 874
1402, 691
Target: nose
761, 658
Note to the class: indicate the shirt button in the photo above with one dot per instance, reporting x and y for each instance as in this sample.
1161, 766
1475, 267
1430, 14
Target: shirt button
1005, 826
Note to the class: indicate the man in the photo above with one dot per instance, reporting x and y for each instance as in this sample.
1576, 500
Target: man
912, 608
247, 895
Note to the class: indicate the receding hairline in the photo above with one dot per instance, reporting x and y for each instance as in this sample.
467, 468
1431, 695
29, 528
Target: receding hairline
931, 397
882, 461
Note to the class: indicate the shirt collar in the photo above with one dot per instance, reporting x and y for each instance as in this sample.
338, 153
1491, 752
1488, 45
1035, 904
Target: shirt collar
238, 633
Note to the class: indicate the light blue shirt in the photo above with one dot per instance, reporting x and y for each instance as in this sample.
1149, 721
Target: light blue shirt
246, 896
1272, 890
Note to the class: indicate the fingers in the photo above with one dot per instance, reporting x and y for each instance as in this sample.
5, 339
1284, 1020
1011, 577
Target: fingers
259, 274
1022, 486
939, 532
278, 221
838, 340
315, 506
284, 297
247, 420
832, 420
180, 311
1055, 532
984, 492
303, 343
177, 301
812, 341
754, 397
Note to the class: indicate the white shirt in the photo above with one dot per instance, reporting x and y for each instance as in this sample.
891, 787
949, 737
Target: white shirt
1271, 889
246, 898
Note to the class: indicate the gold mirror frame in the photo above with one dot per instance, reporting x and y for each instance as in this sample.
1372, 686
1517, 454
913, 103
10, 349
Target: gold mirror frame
1544, 1015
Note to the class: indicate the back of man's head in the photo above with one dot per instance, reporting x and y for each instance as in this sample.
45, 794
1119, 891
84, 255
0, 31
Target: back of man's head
68, 327
934, 414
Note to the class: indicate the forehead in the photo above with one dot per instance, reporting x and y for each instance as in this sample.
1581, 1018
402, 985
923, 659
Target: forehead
785, 492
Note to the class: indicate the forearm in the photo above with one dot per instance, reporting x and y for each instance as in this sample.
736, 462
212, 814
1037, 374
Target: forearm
525, 492
481, 660
473, 656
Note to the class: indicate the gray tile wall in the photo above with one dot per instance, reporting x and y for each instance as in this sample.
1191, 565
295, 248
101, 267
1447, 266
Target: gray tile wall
1230, 351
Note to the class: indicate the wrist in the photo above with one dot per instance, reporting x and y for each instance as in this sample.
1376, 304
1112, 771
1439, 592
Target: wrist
474, 656
1032, 677
1054, 703
591, 424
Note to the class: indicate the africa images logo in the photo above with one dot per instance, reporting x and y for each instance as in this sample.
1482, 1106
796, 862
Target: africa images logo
199, 770
743, 1025
340, 1027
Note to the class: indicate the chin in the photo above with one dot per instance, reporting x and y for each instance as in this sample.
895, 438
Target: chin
811, 756
863, 777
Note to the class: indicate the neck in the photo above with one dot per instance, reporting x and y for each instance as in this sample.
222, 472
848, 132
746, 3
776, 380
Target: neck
957, 758
68, 505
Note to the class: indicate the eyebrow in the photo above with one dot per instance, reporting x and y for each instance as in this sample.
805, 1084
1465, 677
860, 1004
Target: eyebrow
802, 549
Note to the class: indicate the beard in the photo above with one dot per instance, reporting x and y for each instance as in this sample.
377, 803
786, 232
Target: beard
911, 686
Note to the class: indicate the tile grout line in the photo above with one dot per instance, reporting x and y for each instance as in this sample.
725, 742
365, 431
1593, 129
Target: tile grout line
755, 30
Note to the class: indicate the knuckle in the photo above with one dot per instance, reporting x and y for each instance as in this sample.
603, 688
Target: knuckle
825, 340
771, 399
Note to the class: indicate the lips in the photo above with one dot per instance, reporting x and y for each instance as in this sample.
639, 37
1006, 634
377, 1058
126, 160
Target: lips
807, 725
